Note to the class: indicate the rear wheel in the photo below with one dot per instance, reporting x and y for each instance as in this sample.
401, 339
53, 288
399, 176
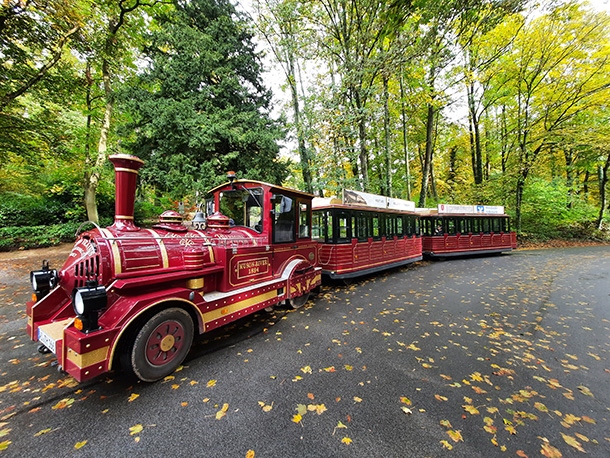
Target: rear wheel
161, 344
299, 301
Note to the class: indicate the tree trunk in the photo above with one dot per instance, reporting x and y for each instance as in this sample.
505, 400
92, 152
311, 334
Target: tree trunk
386, 130
475, 136
603, 181
305, 160
569, 158
404, 140
364, 155
427, 163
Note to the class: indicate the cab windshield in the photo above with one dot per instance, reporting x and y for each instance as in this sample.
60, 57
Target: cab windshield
243, 207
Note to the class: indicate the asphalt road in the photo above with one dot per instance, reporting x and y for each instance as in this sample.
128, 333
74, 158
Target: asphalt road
492, 356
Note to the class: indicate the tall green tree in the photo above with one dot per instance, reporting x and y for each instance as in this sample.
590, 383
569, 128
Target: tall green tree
556, 69
200, 108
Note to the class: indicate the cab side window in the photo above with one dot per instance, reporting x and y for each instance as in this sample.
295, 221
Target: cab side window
284, 217
304, 221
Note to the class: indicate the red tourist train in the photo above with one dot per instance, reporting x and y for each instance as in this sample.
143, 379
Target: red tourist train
457, 230
134, 298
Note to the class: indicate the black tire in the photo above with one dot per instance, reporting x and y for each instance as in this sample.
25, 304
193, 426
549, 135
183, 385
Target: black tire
161, 345
299, 301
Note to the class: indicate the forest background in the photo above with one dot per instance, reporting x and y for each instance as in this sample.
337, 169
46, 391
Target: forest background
502, 102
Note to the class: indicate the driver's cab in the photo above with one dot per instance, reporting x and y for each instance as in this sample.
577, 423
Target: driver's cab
277, 214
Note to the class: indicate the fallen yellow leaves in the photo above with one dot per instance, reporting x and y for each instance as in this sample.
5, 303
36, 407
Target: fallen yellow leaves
266, 408
135, 429
446, 445
571, 441
222, 412
455, 435
211, 383
63, 404
346, 440
250, 454
133, 397
79, 445
548, 450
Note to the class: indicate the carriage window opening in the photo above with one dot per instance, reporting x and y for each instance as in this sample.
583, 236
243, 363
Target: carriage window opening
354, 230
318, 227
304, 223
451, 227
417, 226
438, 227
243, 207
363, 226
399, 227
375, 219
495, 225
284, 217
342, 227
329, 226
486, 225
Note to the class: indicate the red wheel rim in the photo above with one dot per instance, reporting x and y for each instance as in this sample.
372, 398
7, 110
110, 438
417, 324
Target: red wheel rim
165, 343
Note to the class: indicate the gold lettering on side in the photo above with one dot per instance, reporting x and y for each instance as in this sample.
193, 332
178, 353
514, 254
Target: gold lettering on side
252, 267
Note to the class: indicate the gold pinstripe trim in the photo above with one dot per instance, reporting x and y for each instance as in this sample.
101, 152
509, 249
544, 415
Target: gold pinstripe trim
123, 169
161, 247
238, 306
123, 217
115, 251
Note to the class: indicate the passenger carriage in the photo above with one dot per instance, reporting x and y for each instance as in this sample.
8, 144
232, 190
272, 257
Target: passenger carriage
456, 230
365, 233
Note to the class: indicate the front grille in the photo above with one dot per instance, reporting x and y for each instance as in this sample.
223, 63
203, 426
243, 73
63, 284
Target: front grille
88, 269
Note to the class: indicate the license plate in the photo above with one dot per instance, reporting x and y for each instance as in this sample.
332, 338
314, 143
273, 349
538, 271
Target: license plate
46, 340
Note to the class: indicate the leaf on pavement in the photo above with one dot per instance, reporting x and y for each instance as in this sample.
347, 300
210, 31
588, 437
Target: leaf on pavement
446, 423
297, 418
63, 404
41, 432
346, 440
455, 435
571, 441
406, 401
446, 445
306, 370
472, 410
79, 445
135, 429
250, 454
584, 390
211, 383
133, 397
548, 450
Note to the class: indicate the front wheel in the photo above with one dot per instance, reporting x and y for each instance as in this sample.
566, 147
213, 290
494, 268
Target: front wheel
161, 345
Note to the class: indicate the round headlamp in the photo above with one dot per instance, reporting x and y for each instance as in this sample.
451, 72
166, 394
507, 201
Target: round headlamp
78, 303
